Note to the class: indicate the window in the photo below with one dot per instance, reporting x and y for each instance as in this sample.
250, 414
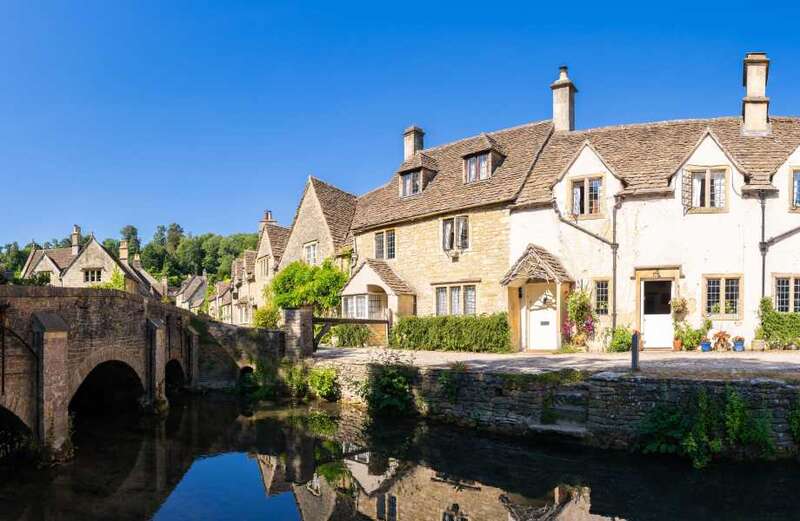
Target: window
456, 300
310, 253
364, 306
586, 196
796, 189
601, 297
722, 296
709, 189
385, 245
441, 301
386, 507
410, 183
787, 293
477, 167
390, 244
379, 245
455, 233
46, 275
92, 275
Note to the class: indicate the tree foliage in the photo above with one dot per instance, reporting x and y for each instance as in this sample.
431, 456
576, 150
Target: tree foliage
300, 284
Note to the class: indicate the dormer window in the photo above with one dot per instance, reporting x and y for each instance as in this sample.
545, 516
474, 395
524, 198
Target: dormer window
477, 167
709, 189
586, 196
410, 183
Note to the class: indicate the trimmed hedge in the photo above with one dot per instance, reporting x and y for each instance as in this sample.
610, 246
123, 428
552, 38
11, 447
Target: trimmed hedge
779, 329
351, 335
483, 333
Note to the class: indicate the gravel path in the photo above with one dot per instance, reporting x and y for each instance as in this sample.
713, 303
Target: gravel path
750, 364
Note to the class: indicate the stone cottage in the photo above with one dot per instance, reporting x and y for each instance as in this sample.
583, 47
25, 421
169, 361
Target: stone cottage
243, 288
272, 240
321, 226
640, 215
90, 264
191, 294
219, 303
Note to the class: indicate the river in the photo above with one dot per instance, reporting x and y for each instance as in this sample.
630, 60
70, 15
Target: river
213, 458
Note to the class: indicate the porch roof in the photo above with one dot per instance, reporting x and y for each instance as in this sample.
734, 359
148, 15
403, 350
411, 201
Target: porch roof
394, 284
536, 263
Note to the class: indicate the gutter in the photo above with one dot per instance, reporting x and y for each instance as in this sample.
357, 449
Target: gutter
612, 244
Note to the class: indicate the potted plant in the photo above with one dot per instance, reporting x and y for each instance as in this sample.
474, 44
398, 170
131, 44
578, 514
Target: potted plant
705, 344
738, 344
722, 340
677, 342
679, 307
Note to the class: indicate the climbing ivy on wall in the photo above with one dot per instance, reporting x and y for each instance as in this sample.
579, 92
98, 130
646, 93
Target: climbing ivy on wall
778, 329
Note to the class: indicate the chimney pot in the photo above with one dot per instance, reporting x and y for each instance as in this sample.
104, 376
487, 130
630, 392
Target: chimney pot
412, 141
755, 104
563, 101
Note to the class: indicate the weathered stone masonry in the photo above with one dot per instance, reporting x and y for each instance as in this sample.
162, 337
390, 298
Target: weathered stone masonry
54, 337
604, 409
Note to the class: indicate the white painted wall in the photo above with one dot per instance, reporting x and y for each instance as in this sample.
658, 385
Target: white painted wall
657, 232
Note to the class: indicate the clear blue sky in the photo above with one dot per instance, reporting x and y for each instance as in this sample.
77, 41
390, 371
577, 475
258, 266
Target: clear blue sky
206, 113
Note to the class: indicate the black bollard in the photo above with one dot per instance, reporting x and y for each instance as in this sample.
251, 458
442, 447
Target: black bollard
635, 351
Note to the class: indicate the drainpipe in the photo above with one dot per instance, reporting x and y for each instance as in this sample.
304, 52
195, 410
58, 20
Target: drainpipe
612, 244
762, 246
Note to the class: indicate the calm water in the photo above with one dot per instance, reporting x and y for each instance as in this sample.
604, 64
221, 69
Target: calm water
210, 459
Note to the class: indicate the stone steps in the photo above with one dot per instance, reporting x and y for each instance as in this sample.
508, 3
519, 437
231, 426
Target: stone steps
571, 406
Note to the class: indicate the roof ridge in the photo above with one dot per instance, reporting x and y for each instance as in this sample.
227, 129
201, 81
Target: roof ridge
490, 133
661, 123
329, 185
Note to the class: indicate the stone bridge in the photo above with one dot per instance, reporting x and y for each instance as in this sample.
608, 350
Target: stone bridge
53, 341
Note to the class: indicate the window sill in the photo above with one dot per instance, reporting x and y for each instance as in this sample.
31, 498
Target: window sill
726, 318
707, 210
588, 216
477, 181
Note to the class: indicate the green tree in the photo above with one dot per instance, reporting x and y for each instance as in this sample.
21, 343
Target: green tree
131, 234
112, 245
173, 237
300, 284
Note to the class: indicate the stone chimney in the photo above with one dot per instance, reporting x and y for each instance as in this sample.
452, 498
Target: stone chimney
75, 236
412, 141
123, 250
755, 104
267, 219
165, 285
563, 101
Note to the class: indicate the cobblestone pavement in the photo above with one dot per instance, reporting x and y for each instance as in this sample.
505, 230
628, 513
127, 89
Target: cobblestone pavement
750, 364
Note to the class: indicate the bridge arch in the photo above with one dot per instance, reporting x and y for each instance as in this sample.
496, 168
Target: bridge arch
13, 432
112, 385
97, 356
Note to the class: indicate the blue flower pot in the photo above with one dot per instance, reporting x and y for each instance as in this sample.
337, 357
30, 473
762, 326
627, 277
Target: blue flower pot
705, 346
738, 346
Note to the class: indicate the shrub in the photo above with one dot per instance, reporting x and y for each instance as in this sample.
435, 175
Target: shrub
704, 427
778, 329
690, 337
323, 383
351, 335
117, 282
295, 376
581, 319
387, 390
266, 317
621, 340
483, 333
299, 284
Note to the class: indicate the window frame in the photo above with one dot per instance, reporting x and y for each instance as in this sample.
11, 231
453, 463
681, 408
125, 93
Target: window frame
691, 171
411, 174
723, 277
306, 246
88, 278
595, 295
449, 289
455, 220
387, 253
349, 305
586, 180
477, 158
794, 205
794, 295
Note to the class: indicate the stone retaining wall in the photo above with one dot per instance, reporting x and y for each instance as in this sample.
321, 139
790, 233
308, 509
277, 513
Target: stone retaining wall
609, 406
228, 348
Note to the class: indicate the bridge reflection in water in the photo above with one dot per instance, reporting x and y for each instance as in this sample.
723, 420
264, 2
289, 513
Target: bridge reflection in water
211, 459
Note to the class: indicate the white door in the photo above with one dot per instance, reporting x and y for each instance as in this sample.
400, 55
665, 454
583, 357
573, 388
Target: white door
542, 317
657, 329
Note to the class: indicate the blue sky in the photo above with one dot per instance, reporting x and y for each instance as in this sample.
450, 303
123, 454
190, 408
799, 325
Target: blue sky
207, 113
